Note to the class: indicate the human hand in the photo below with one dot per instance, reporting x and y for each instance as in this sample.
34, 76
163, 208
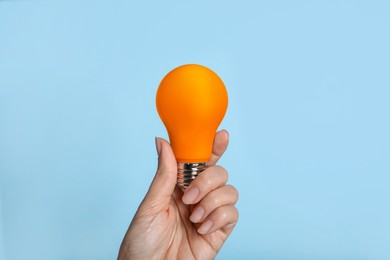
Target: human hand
171, 225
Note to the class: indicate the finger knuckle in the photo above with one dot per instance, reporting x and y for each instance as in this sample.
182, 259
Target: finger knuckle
232, 191
236, 213
235, 192
224, 216
216, 200
209, 182
223, 172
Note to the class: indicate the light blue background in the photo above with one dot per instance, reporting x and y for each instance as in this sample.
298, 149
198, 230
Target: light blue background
309, 86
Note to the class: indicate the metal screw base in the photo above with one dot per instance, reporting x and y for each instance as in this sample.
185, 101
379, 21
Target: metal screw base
186, 172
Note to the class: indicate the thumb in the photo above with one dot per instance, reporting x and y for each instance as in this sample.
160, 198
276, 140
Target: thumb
164, 182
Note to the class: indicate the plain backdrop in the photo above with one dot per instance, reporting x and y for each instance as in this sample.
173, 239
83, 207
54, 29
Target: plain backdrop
309, 90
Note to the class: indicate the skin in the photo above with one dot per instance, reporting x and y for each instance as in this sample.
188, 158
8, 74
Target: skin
173, 225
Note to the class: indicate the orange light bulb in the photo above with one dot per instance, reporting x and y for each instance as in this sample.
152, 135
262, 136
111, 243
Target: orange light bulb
191, 101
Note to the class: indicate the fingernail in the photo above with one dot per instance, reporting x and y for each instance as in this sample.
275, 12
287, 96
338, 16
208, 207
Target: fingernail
190, 195
205, 227
197, 215
158, 146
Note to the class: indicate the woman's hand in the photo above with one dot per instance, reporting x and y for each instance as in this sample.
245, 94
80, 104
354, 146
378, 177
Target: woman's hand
193, 225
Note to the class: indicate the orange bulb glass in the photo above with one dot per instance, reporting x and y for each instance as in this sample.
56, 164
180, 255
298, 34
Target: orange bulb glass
191, 101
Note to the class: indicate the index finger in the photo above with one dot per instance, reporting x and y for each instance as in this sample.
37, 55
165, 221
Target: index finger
221, 141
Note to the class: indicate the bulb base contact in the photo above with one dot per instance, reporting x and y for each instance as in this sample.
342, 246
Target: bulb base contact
186, 172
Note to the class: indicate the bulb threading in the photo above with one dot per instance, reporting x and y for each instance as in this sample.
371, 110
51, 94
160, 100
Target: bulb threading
187, 172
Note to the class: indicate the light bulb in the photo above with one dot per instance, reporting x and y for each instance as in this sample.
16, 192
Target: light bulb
191, 101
